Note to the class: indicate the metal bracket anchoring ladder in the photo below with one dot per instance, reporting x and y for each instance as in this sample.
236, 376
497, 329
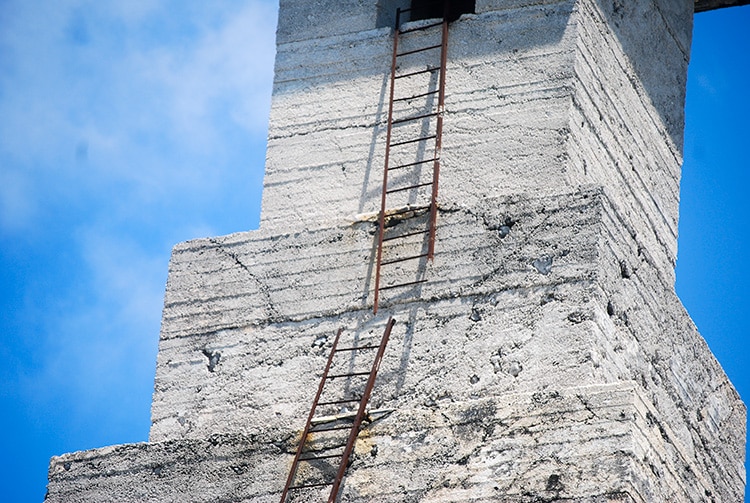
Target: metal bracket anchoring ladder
415, 120
329, 429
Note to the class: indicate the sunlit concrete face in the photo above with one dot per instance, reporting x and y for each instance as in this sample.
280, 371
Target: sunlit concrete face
550, 360
547, 357
542, 97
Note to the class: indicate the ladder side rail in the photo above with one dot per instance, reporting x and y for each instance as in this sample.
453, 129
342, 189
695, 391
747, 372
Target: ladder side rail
438, 136
381, 219
361, 411
308, 424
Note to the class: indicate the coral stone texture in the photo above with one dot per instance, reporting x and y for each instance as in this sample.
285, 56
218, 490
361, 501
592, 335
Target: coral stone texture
546, 357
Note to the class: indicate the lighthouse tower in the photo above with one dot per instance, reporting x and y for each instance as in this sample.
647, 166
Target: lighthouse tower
486, 195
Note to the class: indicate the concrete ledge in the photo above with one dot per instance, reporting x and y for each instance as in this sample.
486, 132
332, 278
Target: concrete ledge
581, 444
252, 279
220, 468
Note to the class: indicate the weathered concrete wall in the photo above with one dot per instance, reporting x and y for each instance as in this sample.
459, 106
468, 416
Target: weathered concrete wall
628, 112
487, 324
546, 358
218, 468
582, 444
552, 361
585, 100
327, 122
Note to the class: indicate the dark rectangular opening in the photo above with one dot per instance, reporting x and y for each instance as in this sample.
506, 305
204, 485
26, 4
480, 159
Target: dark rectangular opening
428, 9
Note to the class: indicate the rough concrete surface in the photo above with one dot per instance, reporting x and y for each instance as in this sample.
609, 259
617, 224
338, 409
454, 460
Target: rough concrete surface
592, 444
501, 328
583, 101
546, 357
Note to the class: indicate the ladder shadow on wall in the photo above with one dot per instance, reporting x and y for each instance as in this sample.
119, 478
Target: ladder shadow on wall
414, 291
374, 156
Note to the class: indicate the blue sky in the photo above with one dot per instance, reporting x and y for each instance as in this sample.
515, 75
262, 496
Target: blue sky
129, 126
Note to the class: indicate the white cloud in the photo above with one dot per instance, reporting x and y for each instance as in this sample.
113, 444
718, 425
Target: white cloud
126, 274
118, 125
227, 70
133, 11
15, 210
154, 89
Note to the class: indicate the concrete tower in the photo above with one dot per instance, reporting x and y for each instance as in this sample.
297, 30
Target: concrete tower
541, 355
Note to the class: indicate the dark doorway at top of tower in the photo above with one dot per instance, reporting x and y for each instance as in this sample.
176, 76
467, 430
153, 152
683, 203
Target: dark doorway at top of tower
427, 9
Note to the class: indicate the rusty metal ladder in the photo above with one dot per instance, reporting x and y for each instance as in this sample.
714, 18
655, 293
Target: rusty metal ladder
431, 111
348, 424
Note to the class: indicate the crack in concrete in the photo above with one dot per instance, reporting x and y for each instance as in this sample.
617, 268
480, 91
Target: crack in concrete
272, 314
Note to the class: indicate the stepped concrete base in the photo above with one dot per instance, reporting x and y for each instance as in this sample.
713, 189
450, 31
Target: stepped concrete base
552, 363
587, 444
546, 357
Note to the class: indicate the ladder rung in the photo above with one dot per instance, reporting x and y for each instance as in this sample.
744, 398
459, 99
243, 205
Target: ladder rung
407, 210
313, 458
424, 138
330, 428
415, 118
423, 49
415, 233
355, 348
432, 25
403, 259
401, 189
352, 374
325, 449
419, 72
424, 161
407, 98
335, 422
336, 402
399, 285
317, 484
